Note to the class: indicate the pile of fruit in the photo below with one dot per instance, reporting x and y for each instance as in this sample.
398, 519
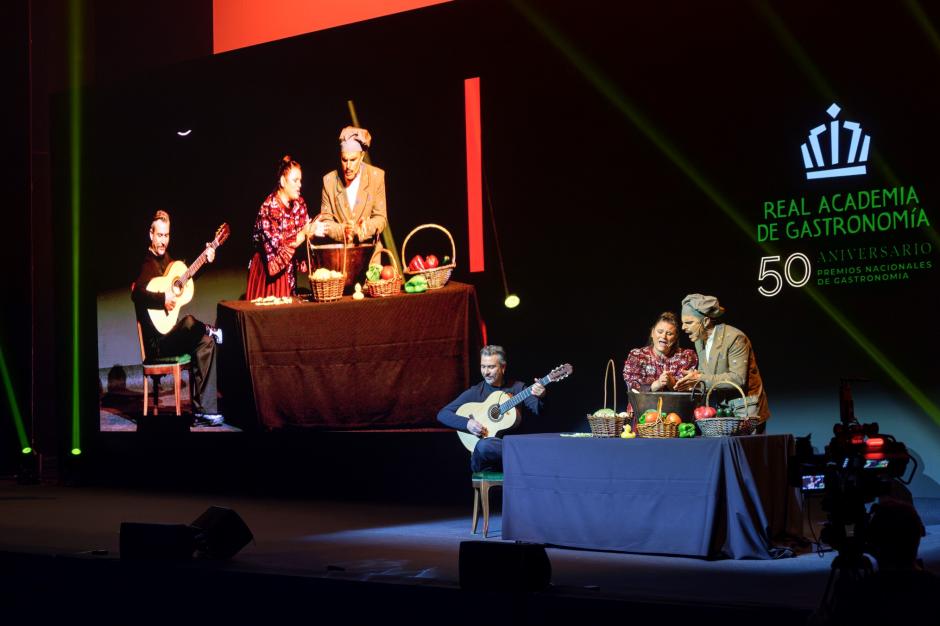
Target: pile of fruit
429, 262
377, 272
323, 274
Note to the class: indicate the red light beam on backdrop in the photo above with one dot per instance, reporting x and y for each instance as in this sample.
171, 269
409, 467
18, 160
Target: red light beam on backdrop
474, 172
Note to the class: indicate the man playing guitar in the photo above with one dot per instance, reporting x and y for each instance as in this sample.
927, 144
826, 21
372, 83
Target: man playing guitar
188, 336
488, 453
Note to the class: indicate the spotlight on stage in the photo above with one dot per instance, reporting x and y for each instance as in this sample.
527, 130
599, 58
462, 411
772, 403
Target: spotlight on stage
28, 471
76, 451
511, 301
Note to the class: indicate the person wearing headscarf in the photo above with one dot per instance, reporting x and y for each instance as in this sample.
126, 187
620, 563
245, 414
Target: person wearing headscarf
724, 353
353, 199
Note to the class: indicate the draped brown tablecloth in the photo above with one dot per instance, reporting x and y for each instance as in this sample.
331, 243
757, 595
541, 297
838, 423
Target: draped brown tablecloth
375, 363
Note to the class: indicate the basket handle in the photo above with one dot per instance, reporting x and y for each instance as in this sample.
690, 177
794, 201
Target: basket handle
725, 382
379, 252
612, 370
319, 218
453, 248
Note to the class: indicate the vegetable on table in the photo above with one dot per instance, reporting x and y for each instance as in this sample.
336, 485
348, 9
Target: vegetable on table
416, 284
374, 272
686, 430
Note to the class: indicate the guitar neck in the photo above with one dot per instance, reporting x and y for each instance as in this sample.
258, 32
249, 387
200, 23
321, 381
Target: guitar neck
520, 397
197, 264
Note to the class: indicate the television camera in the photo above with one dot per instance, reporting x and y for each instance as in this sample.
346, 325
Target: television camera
859, 465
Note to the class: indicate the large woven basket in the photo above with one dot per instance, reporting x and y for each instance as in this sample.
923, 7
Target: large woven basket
331, 289
607, 426
387, 286
437, 277
727, 426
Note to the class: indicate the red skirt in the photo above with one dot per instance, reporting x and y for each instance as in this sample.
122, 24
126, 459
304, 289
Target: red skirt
261, 285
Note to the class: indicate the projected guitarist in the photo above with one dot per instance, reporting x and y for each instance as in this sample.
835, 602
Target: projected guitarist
188, 335
488, 452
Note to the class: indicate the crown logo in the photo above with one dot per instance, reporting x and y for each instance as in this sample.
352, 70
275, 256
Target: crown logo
855, 159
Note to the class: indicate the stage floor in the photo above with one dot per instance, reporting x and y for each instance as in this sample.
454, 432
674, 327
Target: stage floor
401, 544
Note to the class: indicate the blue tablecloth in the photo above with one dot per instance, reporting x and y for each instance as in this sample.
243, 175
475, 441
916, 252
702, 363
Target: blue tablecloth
691, 497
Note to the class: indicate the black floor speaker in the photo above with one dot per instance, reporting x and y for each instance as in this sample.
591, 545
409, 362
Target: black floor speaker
220, 533
491, 565
161, 542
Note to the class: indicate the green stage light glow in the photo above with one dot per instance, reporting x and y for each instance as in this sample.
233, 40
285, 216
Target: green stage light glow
11, 399
512, 301
75, 135
76, 451
27, 450
609, 90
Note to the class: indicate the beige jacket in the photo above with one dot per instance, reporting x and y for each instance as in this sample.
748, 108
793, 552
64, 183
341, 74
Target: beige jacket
370, 203
732, 359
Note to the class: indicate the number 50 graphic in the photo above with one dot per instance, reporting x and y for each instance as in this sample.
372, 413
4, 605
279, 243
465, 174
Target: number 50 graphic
766, 272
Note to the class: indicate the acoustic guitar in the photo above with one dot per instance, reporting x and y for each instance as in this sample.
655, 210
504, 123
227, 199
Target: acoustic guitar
180, 278
498, 411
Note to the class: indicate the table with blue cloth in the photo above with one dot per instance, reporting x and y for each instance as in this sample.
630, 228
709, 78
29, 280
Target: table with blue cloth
709, 497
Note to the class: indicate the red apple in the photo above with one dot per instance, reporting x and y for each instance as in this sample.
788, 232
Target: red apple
387, 272
431, 261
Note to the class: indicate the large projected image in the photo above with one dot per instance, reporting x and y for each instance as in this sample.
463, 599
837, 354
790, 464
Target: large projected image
239, 330
619, 175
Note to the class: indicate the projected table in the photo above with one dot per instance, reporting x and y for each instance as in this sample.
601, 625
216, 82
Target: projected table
703, 497
376, 363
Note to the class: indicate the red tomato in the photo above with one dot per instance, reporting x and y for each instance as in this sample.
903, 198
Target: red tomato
673, 418
700, 412
431, 261
387, 272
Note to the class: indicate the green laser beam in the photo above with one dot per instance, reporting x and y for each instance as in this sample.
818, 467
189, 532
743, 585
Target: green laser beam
11, 399
924, 22
75, 137
607, 88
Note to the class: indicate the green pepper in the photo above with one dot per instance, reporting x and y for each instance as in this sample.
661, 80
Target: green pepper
416, 284
686, 429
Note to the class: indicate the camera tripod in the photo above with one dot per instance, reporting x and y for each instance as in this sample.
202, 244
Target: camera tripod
849, 567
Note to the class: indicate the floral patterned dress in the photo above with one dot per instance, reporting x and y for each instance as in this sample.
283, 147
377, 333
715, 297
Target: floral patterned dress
644, 365
273, 268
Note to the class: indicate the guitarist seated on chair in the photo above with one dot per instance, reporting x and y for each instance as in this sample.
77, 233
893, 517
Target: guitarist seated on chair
188, 336
488, 453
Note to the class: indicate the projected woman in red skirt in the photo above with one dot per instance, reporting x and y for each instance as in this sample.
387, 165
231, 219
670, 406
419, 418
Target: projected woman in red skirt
281, 226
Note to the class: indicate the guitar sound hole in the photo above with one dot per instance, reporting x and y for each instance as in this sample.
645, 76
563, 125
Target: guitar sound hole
494, 413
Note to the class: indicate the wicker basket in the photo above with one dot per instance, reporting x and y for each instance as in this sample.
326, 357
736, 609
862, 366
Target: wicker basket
727, 426
608, 426
658, 429
437, 277
387, 286
331, 289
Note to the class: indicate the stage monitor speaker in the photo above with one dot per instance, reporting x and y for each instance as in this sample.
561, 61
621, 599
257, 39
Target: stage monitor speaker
220, 533
163, 542
488, 565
